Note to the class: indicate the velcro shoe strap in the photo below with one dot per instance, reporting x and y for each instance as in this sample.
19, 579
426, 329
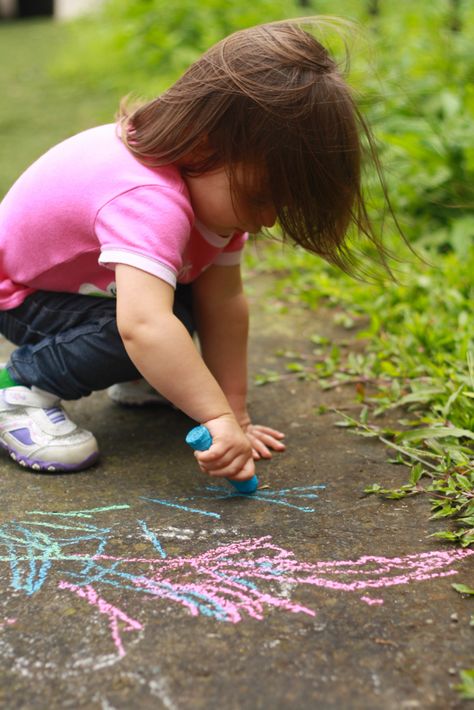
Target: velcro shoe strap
29, 398
45, 424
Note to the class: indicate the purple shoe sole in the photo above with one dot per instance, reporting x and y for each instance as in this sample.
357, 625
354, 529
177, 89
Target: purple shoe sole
50, 466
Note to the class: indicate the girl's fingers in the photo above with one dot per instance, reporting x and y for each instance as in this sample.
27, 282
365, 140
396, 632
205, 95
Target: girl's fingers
264, 444
225, 473
263, 440
266, 439
232, 469
272, 444
267, 430
260, 448
220, 464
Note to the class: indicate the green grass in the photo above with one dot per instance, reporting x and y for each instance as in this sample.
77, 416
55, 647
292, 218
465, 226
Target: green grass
38, 109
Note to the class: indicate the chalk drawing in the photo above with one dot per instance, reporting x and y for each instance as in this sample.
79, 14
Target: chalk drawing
372, 601
228, 583
174, 533
180, 506
222, 492
105, 705
159, 688
150, 535
274, 497
223, 583
7, 622
31, 552
80, 513
115, 615
156, 685
171, 532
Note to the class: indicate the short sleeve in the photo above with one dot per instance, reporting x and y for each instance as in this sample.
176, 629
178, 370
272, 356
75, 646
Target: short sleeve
147, 227
232, 252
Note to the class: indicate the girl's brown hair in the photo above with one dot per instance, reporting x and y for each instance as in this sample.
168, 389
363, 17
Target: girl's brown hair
272, 98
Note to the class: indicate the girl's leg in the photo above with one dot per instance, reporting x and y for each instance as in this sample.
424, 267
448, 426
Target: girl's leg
70, 344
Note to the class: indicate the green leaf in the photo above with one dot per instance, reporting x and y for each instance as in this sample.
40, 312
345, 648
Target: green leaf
466, 687
463, 589
374, 488
294, 367
422, 396
416, 473
452, 537
436, 433
265, 378
469, 520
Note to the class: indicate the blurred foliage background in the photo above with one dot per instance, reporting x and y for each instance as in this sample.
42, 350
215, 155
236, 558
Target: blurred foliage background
412, 66
412, 69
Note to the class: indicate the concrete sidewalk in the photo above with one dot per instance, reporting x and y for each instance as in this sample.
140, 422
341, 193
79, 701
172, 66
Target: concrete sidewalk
142, 584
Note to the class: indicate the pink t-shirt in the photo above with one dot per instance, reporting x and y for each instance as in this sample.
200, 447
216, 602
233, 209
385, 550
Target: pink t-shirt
88, 204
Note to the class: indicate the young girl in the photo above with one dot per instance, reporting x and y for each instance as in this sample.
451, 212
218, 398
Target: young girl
121, 241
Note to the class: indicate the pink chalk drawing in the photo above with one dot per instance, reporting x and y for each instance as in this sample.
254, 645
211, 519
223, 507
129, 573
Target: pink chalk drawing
115, 615
245, 578
7, 622
372, 601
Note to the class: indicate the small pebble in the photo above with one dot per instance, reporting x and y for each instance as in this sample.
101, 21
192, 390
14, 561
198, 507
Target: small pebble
454, 617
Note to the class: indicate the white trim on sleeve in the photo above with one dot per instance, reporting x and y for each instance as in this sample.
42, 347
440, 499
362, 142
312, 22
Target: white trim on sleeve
228, 258
215, 240
110, 257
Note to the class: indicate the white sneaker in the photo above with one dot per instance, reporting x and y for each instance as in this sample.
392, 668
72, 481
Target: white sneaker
38, 434
136, 393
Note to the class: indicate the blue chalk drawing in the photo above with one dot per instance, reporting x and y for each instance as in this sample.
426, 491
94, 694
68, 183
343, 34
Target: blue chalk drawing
150, 535
31, 555
80, 513
227, 583
31, 552
180, 506
273, 497
73, 546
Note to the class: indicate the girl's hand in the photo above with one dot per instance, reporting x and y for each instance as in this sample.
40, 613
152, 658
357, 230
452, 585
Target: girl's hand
231, 452
262, 439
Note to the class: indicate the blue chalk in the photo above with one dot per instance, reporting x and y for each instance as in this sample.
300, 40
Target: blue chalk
249, 486
200, 439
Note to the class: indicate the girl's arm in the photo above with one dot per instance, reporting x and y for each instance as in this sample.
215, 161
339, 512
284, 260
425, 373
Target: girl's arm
164, 353
222, 319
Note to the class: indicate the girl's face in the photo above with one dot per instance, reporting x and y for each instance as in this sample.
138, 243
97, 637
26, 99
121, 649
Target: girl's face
222, 214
